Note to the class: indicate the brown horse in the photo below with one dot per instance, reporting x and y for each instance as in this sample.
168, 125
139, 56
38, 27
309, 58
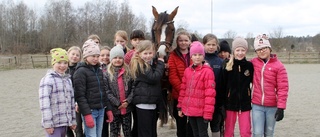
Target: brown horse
163, 31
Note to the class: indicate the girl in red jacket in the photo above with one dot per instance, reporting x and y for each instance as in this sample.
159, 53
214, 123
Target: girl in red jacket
197, 92
179, 60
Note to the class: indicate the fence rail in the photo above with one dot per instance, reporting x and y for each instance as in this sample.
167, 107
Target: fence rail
44, 61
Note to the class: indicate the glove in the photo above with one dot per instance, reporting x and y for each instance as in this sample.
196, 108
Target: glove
206, 121
110, 116
279, 114
89, 121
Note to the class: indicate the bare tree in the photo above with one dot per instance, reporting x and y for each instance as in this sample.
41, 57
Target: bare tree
230, 34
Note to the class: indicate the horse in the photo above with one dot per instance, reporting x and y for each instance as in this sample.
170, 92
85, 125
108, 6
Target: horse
163, 32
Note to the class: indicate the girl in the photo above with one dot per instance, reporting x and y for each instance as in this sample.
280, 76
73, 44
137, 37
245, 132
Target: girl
135, 37
119, 94
211, 48
56, 97
147, 88
90, 91
95, 38
197, 92
179, 60
104, 60
237, 76
121, 38
225, 50
270, 88
74, 56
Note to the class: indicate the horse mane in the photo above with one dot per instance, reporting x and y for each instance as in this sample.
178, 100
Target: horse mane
157, 24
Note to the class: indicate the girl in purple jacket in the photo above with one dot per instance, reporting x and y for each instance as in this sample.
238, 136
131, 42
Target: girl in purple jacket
197, 93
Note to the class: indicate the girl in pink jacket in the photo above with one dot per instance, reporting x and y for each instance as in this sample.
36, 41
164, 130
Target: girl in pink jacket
197, 93
270, 89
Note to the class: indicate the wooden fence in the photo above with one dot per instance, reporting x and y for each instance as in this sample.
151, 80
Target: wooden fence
44, 61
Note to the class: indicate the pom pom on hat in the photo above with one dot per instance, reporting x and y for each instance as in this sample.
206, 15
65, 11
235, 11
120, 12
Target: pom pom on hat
90, 48
261, 42
116, 51
239, 42
196, 47
58, 54
224, 46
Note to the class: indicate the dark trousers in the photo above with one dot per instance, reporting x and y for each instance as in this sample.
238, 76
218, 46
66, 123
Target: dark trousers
105, 128
199, 127
147, 122
183, 126
78, 130
134, 131
217, 123
118, 121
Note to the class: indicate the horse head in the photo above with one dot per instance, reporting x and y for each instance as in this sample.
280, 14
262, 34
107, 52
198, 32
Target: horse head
163, 30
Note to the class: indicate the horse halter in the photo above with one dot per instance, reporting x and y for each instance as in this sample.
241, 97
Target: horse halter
168, 44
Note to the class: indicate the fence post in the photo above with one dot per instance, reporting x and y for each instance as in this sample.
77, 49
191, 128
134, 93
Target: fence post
15, 60
289, 56
47, 61
32, 61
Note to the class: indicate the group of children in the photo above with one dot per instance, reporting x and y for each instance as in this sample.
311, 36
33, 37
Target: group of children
212, 84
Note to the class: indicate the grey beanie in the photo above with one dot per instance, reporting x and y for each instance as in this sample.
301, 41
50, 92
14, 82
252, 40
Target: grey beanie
116, 51
239, 42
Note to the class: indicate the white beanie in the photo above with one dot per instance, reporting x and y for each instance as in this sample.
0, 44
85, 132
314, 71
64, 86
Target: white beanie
261, 42
116, 51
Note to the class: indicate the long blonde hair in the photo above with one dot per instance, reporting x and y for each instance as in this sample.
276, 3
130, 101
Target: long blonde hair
111, 68
137, 64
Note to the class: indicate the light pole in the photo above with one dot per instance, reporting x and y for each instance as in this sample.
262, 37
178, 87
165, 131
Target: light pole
211, 15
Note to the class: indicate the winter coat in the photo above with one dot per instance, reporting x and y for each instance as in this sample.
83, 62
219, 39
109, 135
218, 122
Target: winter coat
197, 92
114, 93
216, 64
236, 85
270, 83
128, 56
177, 64
90, 88
56, 100
147, 87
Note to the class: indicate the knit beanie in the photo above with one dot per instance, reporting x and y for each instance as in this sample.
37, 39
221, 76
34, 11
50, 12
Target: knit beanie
58, 54
116, 51
261, 42
239, 42
196, 47
224, 46
90, 48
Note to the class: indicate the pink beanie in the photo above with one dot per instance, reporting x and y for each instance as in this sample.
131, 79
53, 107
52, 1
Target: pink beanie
90, 48
261, 42
196, 47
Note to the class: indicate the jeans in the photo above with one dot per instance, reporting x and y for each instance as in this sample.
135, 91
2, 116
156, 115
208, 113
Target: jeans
96, 131
263, 120
58, 132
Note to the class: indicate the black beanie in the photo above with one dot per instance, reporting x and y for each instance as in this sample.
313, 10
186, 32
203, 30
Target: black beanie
224, 46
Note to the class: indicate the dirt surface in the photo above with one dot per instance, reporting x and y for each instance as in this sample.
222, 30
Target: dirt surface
20, 114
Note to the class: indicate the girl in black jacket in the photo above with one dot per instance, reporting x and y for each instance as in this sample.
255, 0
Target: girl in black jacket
147, 88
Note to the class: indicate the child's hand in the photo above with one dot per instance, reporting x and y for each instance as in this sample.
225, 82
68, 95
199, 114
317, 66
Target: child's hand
73, 127
77, 108
123, 105
180, 114
50, 130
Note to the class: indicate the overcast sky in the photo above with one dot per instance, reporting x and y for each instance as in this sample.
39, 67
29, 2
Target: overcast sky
295, 17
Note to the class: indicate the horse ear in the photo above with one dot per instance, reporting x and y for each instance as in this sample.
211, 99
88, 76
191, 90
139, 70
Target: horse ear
173, 13
155, 13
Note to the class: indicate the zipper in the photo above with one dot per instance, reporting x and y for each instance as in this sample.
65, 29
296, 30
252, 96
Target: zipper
262, 83
190, 88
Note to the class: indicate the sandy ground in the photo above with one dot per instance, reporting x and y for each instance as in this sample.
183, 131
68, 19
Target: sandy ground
20, 114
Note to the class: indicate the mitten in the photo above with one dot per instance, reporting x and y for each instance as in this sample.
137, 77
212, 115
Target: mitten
110, 116
89, 121
279, 114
